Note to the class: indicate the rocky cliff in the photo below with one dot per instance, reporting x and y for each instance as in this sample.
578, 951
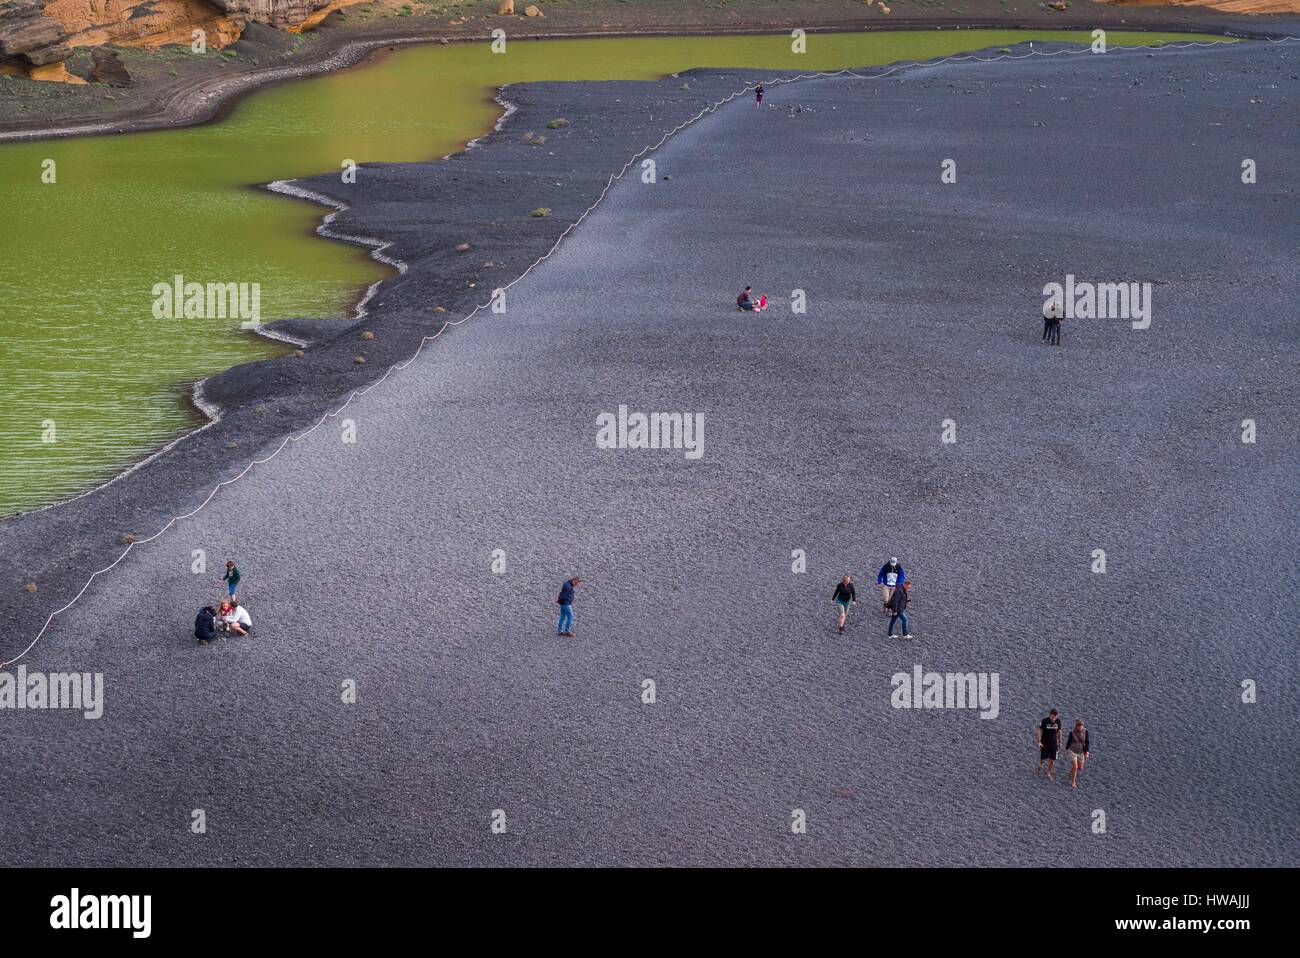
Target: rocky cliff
37, 35
28, 37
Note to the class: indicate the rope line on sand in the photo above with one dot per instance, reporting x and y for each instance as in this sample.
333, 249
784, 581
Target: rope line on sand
614, 177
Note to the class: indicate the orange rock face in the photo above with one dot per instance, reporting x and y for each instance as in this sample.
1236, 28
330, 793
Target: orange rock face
134, 23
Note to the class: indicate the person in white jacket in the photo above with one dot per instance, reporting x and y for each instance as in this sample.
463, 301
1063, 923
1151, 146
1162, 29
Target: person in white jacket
238, 621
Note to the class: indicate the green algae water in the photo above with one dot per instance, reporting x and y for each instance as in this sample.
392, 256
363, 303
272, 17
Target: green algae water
91, 381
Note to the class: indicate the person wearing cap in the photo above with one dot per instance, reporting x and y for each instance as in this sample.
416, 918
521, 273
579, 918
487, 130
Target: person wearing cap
888, 578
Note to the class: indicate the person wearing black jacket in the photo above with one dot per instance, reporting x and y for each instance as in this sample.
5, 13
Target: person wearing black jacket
844, 596
565, 626
1077, 746
205, 625
898, 610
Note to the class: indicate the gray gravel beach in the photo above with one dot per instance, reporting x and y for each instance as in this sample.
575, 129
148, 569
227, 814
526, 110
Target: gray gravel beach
372, 561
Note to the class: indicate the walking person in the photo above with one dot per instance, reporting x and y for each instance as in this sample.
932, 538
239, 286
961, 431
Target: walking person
898, 611
1077, 746
231, 578
1050, 313
890, 576
1054, 327
758, 96
1049, 742
565, 626
845, 595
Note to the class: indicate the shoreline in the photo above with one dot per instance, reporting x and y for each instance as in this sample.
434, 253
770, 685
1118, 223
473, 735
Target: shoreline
264, 402
370, 561
210, 98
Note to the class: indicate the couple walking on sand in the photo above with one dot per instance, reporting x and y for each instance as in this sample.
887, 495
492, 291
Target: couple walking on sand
893, 591
1049, 745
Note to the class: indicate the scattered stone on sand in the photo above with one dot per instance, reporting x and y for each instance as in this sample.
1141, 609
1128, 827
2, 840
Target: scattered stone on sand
30, 587
533, 10
541, 211
359, 360
462, 248
440, 309
298, 353
127, 538
557, 123
367, 335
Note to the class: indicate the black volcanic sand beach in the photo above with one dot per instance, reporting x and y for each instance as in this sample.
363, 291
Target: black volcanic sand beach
371, 561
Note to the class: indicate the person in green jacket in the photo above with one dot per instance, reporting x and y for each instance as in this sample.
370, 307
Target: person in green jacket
231, 578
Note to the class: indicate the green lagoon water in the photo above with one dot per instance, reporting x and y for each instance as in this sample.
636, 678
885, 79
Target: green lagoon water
79, 345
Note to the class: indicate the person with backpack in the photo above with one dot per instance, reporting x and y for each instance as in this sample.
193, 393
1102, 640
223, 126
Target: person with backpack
205, 625
890, 576
565, 626
844, 596
1077, 746
898, 611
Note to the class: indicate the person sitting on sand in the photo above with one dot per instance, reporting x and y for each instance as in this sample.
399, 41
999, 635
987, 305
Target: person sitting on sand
237, 620
743, 301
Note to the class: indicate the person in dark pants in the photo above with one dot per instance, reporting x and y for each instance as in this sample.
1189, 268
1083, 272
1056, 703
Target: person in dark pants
758, 95
844, 596
743, 301
898, 611
205, 625
1054, 329
565, 626
1049, 316
1077, 746
1049, 742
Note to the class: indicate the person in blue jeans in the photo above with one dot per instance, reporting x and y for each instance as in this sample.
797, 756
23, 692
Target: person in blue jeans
565, 626
898, 611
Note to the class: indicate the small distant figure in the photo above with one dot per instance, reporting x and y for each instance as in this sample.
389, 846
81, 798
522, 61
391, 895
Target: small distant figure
898, 612
758, 95
1077, 746
1052, 325
891, 574
845, 595
205, 625
231, 578
565, 626
237, 620
1049, 742
743, 301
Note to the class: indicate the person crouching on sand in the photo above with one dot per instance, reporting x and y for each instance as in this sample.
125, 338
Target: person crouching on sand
565, 626
1077, 746
205, 625
238, 621
844, 597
